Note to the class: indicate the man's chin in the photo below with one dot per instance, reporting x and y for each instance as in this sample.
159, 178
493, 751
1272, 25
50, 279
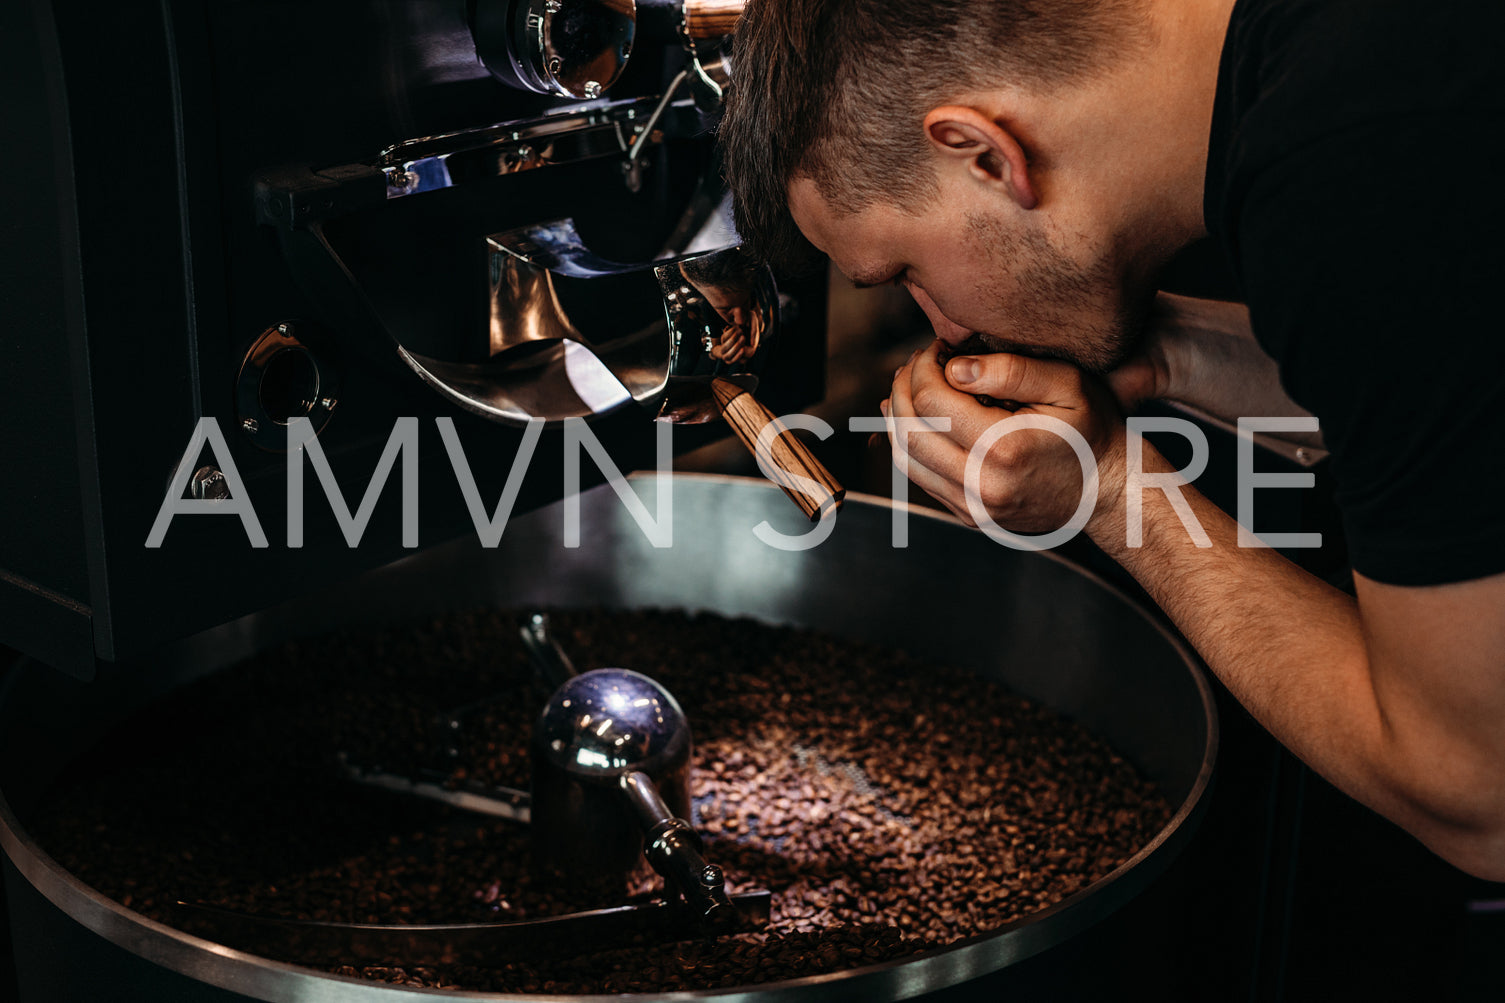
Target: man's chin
984, 344
1097, 345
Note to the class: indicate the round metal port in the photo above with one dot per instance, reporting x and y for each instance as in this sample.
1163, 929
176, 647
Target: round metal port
287, 373
289, 385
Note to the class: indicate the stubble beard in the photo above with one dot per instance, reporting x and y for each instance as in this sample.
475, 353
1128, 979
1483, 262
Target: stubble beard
1059, 308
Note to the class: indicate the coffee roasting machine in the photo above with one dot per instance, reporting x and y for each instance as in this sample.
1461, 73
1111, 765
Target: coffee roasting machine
465, 235
446, 233
257, 212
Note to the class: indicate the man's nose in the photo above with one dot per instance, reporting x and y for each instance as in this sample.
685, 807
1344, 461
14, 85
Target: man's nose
952, 334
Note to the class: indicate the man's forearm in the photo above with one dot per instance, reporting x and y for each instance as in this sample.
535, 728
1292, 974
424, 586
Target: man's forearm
1293, 651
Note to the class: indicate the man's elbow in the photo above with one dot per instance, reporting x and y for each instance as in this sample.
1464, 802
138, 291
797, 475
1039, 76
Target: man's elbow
1476, 852
1463, 823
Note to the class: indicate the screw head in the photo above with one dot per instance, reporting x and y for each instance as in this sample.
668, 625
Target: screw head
251, 426
592, 89
327, 403
552, 6
208, 483
284, 329
555, 65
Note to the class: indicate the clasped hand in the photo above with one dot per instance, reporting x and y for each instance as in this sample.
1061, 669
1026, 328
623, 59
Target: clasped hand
1029, 479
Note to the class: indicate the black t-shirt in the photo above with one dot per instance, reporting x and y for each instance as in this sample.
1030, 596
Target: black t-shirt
1356, 179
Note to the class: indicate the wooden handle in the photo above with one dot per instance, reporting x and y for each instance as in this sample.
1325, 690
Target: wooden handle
791, 458
711, 18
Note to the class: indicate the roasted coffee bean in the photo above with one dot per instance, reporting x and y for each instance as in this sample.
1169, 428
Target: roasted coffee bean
891, 806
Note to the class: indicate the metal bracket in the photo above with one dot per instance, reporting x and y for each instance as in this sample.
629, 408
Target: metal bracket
300, 196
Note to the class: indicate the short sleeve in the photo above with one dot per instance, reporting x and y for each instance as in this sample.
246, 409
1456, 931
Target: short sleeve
1373, 266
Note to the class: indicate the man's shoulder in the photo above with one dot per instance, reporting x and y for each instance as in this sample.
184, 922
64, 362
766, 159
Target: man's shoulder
1353, 182
1296, 72
1351, 85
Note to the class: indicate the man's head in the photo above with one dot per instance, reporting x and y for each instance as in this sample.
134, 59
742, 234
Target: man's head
726, 279
924, 141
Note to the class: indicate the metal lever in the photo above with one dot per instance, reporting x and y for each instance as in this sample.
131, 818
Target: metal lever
311, 942
673, 847
633, 168
552, 666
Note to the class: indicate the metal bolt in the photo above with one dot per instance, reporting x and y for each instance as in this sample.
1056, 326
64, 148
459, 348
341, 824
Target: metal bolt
208, 483
553, 6
555, 65
633, 172
251, 426
327, 403
284, 329
712, 875
525, 152
1303, 456
592, 89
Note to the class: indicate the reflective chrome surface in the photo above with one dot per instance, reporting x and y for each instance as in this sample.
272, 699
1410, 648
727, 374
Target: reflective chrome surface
573, 334
635, 152
564, 136
673, 847
711, 75
290, 371
597, 727
605, 722
574, 48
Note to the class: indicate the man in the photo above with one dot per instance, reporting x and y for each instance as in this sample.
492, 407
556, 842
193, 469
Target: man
726, 282
1025, 167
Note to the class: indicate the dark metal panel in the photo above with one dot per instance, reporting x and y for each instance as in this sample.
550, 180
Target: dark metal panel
40, 504
47, 625
138, 378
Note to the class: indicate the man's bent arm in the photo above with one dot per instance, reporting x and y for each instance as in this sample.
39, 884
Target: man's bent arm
1397, 697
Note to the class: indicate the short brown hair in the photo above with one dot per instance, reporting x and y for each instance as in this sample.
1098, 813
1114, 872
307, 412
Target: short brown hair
835, 90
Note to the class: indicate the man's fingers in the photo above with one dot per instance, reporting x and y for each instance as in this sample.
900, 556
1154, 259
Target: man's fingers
930, 395
938, 450
943, 489
1017, 377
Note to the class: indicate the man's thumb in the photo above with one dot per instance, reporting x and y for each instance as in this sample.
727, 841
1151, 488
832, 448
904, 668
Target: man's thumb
1005, 376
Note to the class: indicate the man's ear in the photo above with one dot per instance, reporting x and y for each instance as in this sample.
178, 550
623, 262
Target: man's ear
991, 154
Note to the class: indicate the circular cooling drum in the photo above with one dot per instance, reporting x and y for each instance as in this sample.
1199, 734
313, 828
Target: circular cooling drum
1038, 624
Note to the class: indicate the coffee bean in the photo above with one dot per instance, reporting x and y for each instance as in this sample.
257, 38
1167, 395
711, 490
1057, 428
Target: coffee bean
980, 809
